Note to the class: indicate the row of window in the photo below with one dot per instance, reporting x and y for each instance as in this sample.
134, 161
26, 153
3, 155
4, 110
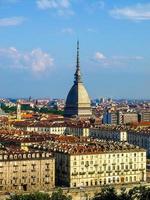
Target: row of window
131, 155
107, 181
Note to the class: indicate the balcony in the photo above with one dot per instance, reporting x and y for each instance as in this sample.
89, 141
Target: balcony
15, 171
24, 171
82, 173
126, 170
74, 173
109, 171
113, 163
33, 170
142, 169
118, 171
93, 172
101, 172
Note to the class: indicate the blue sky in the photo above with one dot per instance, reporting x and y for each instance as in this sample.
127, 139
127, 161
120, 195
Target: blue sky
38, 47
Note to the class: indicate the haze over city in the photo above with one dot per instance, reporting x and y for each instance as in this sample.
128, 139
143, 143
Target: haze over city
38, 47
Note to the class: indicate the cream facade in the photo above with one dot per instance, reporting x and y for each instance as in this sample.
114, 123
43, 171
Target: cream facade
20, 172
140, 138
100, 168
58, 130
115, 135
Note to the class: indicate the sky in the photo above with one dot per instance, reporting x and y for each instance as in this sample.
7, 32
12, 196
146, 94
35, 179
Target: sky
38, 47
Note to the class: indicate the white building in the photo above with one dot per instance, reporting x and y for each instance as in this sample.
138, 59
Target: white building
99, 163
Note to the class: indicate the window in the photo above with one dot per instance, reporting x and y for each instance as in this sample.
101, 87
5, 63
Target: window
74, 163
74, 184
130, 178
134, 178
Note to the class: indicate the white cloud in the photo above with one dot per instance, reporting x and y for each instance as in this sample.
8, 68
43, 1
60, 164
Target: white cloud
36, 61
67, 30
12, 21
103, 60
46, 4
91, 30
99, 56
61, 7
138, 12
93, 6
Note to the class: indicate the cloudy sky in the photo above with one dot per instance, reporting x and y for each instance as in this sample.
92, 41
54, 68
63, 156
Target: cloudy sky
38, 47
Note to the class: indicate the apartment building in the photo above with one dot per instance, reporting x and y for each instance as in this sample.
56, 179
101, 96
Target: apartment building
99, 162
22, 171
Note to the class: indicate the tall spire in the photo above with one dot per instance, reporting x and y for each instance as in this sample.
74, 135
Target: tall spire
77, 73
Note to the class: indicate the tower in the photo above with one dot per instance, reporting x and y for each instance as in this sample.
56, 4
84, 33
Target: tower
78, 103
18, 110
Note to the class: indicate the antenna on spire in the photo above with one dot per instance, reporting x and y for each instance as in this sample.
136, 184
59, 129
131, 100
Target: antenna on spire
78, 61
78, 73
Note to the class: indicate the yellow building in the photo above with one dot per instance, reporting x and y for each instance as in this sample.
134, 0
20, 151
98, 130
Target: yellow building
26, 171
99, 163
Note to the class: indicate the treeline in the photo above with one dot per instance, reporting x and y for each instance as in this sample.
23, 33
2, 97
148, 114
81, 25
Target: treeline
11, 109
58, 195
137, 193
107, 193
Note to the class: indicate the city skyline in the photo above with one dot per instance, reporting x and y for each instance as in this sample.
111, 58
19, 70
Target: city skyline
38, 47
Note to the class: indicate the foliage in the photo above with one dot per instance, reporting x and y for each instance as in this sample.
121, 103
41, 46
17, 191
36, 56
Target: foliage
8, 109
32, 196
140, 193
137, 193
58, 195
107, 193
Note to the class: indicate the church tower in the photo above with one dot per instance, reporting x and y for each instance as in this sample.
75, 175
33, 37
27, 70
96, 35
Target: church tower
18, 110
78, 103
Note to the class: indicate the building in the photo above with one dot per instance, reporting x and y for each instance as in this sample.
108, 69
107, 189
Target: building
144, 116
53, 128
18, 110
78, 103
141, 138
22, 171
119, 117
110, 117
99, 163
109, 133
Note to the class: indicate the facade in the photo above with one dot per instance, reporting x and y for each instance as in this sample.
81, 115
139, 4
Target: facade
108, 134
129, 117
26, 171
118, 117
99, 164
110, 118
78, 103
53, 128
140, 138
144, 116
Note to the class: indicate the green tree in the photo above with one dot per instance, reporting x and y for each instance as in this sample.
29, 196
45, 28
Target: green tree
124, 195
32, 196
140, 193
137, 193
107, 193
58, 195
